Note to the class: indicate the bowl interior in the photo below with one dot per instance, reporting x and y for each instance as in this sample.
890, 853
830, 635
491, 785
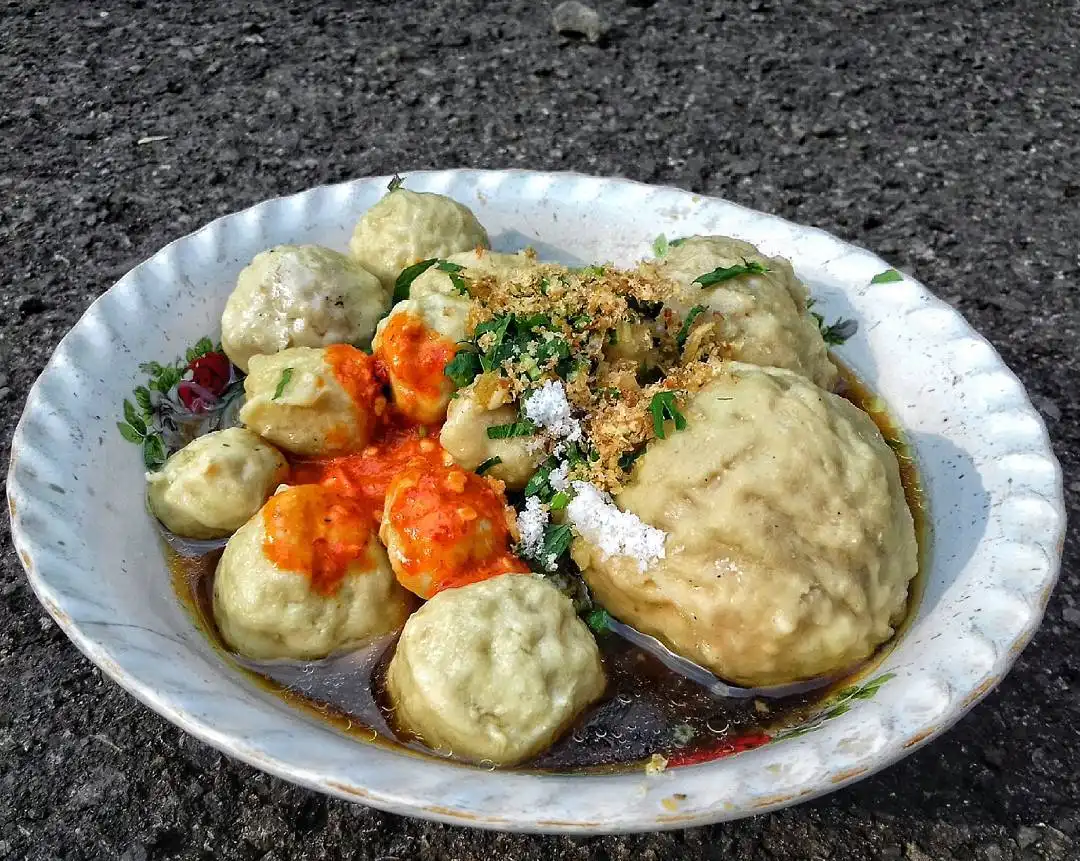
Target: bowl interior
93, 557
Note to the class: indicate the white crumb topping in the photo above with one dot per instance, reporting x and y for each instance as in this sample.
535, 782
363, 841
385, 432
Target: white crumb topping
616, 533
559, 478
548, 407
531, 522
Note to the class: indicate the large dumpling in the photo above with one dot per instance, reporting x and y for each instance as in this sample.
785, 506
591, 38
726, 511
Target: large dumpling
494, 671
789, 544
300, 296
406, 227
305, 577
759, 318
215, 483
312, 401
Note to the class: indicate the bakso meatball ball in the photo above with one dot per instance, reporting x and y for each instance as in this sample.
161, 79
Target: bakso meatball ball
476, 263
300, 296
477, 407
444, 526
406, 227
215, 483
313, 401
494, 672
305, 577
789, 545
758, 318
415, 343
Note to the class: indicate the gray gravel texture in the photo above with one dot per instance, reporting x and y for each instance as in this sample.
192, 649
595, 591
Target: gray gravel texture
943, 136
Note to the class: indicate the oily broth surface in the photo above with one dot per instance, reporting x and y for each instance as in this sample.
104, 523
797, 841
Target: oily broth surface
647, 709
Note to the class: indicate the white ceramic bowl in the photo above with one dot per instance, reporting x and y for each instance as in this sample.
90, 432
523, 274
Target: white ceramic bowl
995, 508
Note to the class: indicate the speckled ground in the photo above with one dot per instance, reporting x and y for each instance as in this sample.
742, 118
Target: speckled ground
943, 137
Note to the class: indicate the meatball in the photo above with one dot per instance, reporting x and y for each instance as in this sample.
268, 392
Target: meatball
789, 545
313, 401
305, 577
464, 435
215, 483
406, 227
415, 343
494, 672
760, 319
300, 296
477, 263
444, 527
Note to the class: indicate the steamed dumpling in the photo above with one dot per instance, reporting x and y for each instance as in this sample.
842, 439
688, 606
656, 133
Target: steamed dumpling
300, 296
305, 577
789, 544
495, 671
761, 319
215, 483
464, 435
406, 227
415, 342
312, 401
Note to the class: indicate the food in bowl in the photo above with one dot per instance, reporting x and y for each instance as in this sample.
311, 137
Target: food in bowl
529, 448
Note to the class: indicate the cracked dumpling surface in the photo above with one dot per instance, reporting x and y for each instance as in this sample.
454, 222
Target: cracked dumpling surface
306, 577
761, 319
494, 671
405, 227
215, 483
312, 401
300, 296
790, 546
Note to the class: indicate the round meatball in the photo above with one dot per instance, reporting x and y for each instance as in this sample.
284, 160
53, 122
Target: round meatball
789, 545
477, 263
406, 227
444, 527
313, 401
464, 435
305, 577
415, 342
300, 296
494, 672
215, 483
761, 319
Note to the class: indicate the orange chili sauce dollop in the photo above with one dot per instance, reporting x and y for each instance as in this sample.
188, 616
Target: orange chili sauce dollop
319, 532
415, 357
449, 529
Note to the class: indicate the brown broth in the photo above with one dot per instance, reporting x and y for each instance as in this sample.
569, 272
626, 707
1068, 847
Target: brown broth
646, 710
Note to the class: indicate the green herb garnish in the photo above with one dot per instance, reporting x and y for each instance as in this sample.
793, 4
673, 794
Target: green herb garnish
889, 276
286, 375
488, 464
725, 273
684, 330
675, 243
839, 332
560, 500
540, 485
453, 270
660, 246
514, 429
592, 271
199, 349
628, 458
556, 540
464, 367
598, 621
664, 407
408, 275
395, 183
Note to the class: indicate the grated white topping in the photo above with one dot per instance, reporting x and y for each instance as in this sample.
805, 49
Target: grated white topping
599, 521
559, 478
531, 522
548, 407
